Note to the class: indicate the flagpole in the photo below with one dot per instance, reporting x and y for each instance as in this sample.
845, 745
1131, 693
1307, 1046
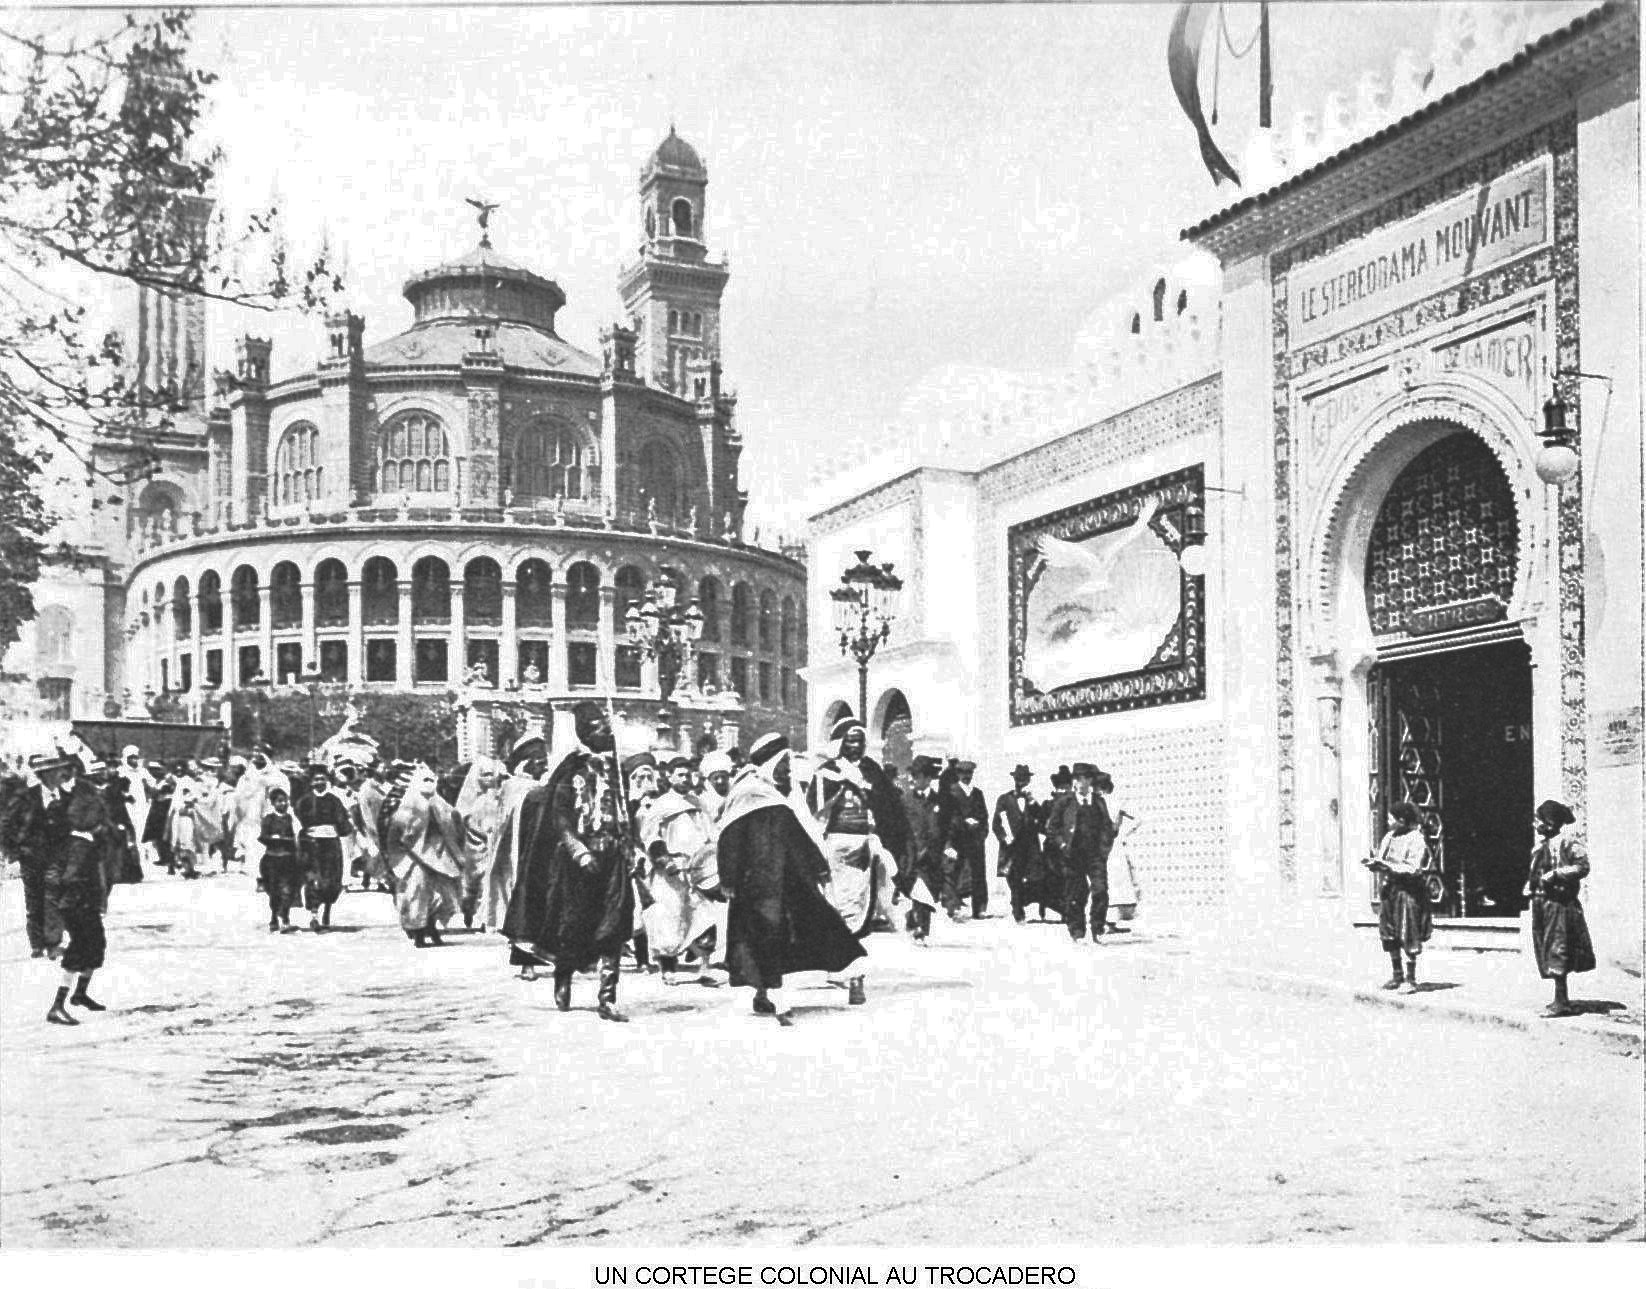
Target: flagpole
1265, 75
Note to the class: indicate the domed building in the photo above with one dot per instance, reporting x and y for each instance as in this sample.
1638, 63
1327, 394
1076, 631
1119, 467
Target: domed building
471, 505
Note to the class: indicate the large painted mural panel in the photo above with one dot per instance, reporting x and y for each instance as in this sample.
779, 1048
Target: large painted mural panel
1103, 619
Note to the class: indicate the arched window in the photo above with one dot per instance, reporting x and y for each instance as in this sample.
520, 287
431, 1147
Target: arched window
431, 590
533, 601
740, 614
182, 616
1137, 324
681, 213
651, 224
54, 635
631, 589
674, 321
788, 626
297, 477
551, 459
582, 597
244, 598
768, 621
211, 603
483, 591
1182, 302
380, 592
413, 455
159, 508
1160, 300
286, 595
331, 594
661, 480
708, 599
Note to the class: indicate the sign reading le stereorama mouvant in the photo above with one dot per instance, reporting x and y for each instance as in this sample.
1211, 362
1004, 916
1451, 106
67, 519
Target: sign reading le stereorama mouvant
1444, 246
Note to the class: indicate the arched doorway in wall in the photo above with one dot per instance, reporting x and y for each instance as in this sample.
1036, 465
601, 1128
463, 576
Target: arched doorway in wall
895, 729
838, 710
1449, 699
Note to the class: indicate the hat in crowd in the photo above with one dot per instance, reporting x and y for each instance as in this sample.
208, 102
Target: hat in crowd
966, 767
676, 762
211, 763
845, 726
130, 750
1556, 814
767, 747
1061, 778
716, 763
402, 771
1103, 782
44, 762
585, 712
639, 761
525, 748
1083, 770
1021, 771
925, 766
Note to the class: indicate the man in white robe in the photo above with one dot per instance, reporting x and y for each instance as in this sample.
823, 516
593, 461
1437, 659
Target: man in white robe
681, 876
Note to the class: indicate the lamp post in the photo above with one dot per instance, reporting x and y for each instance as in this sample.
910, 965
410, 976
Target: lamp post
311, 682
865, 605
1192, 555
661, 629
257, 694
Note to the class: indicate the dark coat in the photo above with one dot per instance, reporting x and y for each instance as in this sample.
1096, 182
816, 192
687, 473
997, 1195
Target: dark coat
563, 909
974, 821
929, 822
1020, 857
779, 920
1084, 837
77, 874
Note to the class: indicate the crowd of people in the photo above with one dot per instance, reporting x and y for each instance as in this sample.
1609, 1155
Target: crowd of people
727, 867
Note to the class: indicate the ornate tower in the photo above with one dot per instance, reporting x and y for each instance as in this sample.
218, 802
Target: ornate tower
672, 293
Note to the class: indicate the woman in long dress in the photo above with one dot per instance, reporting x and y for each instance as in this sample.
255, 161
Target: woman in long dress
423, 845
1560, 932
1123, 890
480, 810
1404, 921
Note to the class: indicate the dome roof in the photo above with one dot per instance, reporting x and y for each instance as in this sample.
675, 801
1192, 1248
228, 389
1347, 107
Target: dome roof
674, 153
444, 342
484, 284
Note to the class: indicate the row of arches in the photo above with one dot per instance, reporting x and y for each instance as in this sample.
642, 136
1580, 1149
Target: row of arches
747, 616
547, 459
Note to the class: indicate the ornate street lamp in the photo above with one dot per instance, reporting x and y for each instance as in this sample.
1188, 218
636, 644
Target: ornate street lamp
257, 694
1557, 459
865, 605
661, 629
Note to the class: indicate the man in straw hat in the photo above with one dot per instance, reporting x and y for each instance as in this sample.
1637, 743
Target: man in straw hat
37, 830
771, 871
573, 901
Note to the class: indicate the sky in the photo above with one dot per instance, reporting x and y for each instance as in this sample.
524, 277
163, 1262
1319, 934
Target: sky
898, 187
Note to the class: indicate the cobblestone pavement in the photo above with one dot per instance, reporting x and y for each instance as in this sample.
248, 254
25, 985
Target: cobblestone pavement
1001, 1088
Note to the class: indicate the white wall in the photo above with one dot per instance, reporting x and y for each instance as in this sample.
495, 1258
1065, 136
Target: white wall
1609, 228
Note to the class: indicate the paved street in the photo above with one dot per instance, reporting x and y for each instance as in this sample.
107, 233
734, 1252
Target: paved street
1001, 1088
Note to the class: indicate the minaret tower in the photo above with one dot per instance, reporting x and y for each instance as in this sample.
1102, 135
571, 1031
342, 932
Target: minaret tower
672, 293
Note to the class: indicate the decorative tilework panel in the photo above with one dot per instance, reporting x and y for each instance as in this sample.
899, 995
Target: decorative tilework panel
1446, 533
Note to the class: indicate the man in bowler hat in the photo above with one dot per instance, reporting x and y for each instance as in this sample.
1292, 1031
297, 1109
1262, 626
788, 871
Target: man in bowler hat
1085, 835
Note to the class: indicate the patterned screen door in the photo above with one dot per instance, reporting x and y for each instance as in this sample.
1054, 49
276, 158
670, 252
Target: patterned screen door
1409, 763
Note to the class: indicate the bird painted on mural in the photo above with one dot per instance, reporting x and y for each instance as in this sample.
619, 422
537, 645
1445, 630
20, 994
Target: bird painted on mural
1095, 571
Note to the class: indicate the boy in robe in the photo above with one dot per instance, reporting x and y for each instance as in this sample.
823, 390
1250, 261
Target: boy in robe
680, 875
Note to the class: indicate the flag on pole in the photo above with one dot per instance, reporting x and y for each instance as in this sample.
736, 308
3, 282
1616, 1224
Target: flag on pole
1183, 63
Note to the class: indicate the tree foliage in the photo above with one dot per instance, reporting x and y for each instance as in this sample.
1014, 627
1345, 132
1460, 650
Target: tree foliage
104, 183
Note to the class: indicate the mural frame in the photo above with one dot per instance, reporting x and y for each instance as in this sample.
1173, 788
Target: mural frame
1177, 673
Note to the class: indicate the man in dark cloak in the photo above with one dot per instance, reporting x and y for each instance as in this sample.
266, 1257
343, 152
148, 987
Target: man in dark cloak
573, 900
1018, 819
77, 886
771, 871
